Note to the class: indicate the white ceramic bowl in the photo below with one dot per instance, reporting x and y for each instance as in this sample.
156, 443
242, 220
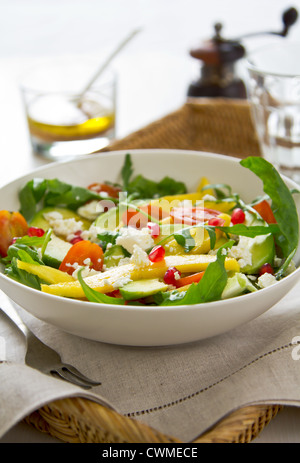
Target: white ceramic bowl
147, 326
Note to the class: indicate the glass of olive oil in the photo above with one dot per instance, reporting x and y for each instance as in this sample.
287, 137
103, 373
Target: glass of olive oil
64, 120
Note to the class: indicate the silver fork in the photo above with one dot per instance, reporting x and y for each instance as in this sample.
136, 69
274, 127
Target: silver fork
42, 357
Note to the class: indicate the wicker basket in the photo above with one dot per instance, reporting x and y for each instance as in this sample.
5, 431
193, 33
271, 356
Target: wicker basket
219, 126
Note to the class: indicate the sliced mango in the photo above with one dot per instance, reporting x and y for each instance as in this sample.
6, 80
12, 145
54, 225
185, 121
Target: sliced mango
204, 182
202, 240
49, 274
200, 236
104, 282
185, 197
223, 206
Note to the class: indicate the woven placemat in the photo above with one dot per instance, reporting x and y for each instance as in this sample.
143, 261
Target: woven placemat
219, 126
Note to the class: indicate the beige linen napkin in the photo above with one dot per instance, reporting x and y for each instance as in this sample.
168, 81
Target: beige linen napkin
179, 390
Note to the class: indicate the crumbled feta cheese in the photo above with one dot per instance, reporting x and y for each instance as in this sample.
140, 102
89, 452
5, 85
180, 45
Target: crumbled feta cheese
265, 280
177, 275
61, 226
87, 271
130, 236
139, 257
241, 252
121, 282
124, 261
91, 233
53, 215
91, 210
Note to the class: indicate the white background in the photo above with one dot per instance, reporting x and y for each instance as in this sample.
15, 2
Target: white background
154, 72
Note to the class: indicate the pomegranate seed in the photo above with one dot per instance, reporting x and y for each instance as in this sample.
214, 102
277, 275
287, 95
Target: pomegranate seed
76, 239
171, 276
78, 232
238, 216
157, 254
216, 222
14, 239
34, 231
266, 268
154, 229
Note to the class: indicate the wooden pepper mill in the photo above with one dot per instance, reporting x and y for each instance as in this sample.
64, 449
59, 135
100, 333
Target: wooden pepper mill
219, 56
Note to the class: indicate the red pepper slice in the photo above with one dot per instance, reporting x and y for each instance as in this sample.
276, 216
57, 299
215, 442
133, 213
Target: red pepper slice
265, 211
195, 278
193, 215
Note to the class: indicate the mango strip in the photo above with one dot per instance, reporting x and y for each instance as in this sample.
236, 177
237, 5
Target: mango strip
104, 282
49, 274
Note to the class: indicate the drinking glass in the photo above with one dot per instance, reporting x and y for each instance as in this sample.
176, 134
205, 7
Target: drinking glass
274, 94
63, 119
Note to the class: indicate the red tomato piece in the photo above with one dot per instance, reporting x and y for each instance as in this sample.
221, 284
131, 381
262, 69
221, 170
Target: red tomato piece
137, 219
193, 215
12, 225
81, 253
111, 190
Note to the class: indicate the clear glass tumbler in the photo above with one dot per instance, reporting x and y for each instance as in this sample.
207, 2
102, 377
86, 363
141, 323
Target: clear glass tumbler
63, 119
274, 94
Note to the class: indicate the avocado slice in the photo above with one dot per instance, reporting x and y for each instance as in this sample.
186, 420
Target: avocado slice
55, 251
108, 220
113, 255
142, 288
39, 220
236, 285
262, 248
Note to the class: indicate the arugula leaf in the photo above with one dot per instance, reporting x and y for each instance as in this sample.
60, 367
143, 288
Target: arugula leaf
250, 231
210, 287
94, 296
283, 205
38, 193
127, 171
142, 187
145, 188
107, 237
218, 187
15, 249
185, 239
30, 195
22, 276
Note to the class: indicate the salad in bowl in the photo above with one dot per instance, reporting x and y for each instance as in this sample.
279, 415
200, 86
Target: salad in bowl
147, 243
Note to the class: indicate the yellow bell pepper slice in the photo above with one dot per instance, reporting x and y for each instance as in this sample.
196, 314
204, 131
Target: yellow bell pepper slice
204, 182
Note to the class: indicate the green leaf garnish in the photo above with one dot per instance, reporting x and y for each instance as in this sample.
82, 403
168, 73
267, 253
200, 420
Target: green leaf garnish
283, 205
94, 296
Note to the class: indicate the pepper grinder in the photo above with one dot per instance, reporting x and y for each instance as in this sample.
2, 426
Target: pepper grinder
218, 76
